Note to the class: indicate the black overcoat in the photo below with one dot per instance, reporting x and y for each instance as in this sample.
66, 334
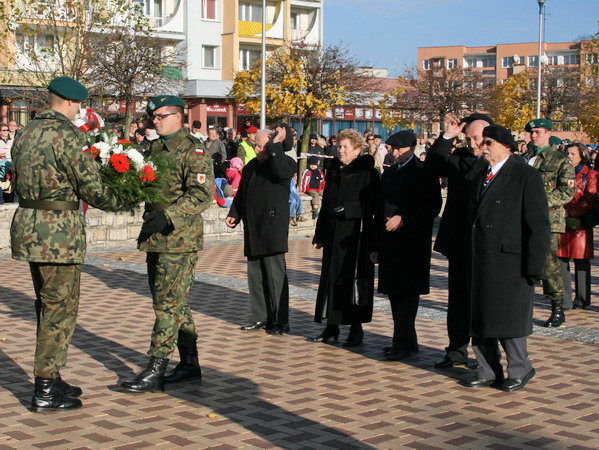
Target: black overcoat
460, 168
509, 241
354, 187
262, 203
412, 192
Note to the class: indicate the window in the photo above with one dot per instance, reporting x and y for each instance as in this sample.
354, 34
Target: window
295, 21
452, 63
533, 61
480, 62
210, 56
250, 12
247, 58
209, 9
488, 62
38, 48
572, 59
507, 62
427, 64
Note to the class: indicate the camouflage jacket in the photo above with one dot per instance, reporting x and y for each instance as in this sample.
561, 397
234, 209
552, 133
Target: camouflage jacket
560, 184
190, 180
50, 164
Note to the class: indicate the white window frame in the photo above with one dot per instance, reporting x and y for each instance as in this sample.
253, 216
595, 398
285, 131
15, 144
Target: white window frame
452, 63
427, 64
247, 10
533, 61
205, 8
245, 58
507, 62
215, 56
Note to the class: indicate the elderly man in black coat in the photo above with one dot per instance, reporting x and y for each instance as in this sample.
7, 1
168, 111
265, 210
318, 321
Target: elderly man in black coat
509, 241
459, 167
409, 201
262, 202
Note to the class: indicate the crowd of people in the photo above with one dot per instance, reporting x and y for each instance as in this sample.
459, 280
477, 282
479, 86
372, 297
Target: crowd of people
511, 220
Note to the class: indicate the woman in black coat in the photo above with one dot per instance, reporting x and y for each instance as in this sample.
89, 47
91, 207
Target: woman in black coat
344, 231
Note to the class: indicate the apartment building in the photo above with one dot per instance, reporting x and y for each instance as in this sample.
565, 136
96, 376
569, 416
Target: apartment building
220, 37
498, 62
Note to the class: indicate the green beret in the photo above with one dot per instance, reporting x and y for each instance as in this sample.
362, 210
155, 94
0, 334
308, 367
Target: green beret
565, 141
554, 140
68, 89
539, 123
163, 100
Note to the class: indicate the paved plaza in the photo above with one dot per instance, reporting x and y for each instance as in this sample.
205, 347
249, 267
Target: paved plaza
262, 391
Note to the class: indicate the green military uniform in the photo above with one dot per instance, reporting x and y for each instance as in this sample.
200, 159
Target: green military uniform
52, 174
172, 255
560, 185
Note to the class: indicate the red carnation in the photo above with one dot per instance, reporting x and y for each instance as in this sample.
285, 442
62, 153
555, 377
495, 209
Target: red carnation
125, 141
147, 174
120, 162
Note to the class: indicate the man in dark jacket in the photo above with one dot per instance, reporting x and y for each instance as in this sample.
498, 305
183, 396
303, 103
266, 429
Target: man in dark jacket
409, 201
509, 240
458, 168
262, 202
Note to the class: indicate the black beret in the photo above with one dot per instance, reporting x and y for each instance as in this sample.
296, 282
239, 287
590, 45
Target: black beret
313, 136
476, 116
163, 100
501, 134
68, 89
312, 160
402, 139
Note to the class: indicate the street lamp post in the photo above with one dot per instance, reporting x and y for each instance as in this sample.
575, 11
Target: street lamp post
263, 72
541, 5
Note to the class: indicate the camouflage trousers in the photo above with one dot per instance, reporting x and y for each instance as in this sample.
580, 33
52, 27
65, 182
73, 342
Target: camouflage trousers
170, 276
57, 301
553, 285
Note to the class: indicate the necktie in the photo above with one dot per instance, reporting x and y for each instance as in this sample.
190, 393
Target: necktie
488, 178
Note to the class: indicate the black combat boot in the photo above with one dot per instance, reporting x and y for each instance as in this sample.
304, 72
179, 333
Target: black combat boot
557, 316
189, 366
48, 396
68, 389
150, 380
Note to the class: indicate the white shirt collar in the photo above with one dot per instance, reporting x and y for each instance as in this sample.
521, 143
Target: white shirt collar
498, 166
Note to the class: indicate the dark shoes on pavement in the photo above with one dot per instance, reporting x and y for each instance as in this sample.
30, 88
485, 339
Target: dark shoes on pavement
355, 336
482, 382
278, 330
188, 368
253, 326
447, 363
557, 317
151, 379
49, 395
331, 331
514, 384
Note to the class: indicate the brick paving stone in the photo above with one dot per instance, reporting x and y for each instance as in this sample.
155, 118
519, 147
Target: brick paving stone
263, 392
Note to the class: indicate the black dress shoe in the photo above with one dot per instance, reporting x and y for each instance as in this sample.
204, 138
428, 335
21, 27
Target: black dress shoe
331, 331
253, 326
413, 349
354, 339
397, 354
447, 363
514, 384
481, 382
278, 330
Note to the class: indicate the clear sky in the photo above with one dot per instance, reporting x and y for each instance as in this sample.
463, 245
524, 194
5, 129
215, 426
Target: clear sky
387, 33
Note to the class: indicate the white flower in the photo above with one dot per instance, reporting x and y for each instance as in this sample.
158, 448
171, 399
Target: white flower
118, 149
136, 157
104, 150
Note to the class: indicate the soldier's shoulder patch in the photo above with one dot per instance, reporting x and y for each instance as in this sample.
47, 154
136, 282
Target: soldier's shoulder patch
199, 151
201, 178
571, 183
85, 149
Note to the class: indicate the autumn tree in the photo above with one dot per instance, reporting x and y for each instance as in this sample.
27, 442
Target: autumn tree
512, 104
588, 114
430, 95
303, 80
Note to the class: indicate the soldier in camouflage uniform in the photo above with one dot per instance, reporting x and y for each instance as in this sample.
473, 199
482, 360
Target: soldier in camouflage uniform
560, 185
171, 235
52, 174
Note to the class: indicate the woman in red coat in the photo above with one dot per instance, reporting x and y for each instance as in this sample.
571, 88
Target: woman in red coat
577, 241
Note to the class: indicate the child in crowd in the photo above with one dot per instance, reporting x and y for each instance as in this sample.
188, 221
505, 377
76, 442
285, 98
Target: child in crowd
234, 173
313, 184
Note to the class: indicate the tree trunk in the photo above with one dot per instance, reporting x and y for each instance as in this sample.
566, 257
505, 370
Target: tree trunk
302, 163
128, 117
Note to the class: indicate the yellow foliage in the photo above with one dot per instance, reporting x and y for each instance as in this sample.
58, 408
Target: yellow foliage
512, 103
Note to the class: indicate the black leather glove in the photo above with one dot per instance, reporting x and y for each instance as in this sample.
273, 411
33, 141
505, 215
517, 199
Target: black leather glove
338, 212
155, 222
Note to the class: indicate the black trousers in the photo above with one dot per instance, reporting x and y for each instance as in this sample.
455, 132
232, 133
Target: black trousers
269, 289
458, 323
404, 309
489, 358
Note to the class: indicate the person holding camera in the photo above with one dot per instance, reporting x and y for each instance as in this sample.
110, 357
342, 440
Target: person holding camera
262, 203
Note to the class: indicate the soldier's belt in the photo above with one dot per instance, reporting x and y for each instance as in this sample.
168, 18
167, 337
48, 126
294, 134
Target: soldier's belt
49, 204
150, 207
